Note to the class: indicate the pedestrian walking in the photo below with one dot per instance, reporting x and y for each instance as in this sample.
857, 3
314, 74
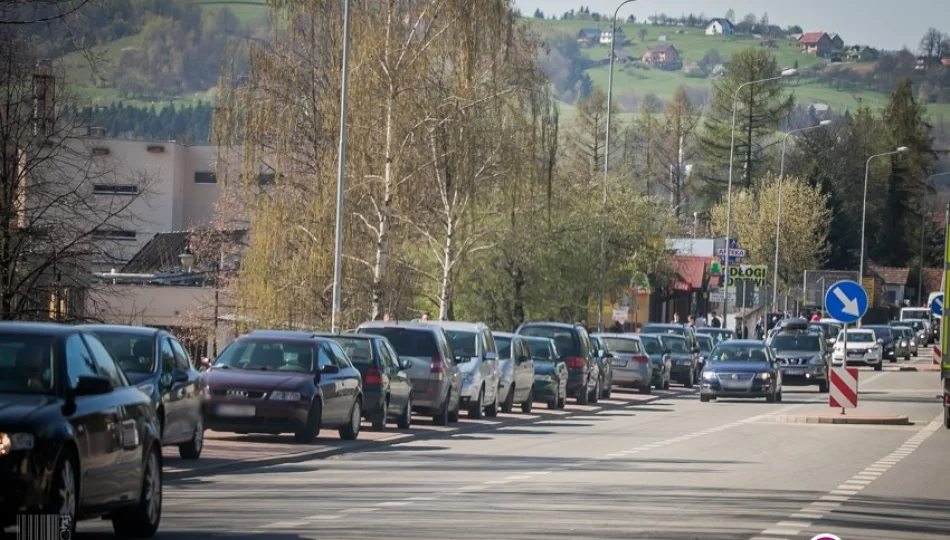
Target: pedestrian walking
715, 322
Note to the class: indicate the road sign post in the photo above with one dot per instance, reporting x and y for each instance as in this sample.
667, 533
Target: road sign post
844, 387
936, 306
846, 301
945, 321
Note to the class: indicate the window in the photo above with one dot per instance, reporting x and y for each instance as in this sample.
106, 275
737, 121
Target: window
323, 357
339, 357
78, 360
105, 364
113, 234
114, 189
101, 151
205, 178
27, 364
389, 363
168, 357
182, 360
134, 353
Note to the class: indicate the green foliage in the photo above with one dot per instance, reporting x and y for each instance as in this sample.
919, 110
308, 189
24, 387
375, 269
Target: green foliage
188, 125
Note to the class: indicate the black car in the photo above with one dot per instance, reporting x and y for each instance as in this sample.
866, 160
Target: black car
155, 362
604, 358
577, 352
387, 390
742, 369
284, 382
803, 358
76, 439
883, 332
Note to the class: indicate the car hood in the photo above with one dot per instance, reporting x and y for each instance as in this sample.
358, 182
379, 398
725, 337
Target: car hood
22, 408
544, 368
796, 354
265, 381
739, 367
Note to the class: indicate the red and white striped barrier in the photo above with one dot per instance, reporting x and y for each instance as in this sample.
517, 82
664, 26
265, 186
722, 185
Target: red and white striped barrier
844, 388
938, 356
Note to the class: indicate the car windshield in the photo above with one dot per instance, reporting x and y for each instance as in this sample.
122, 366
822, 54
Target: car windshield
675, 345
359, 350
883, 332
268, 355
567, 344
651, 344
27, 364
796, 343
705, 343
857, 337
717, 335
503, 344
650, 329
412, 342
134, 353
540, 349
621, 345
915, 314
739, 352
463, 344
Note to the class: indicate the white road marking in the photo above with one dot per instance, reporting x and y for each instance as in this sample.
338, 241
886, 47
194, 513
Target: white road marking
327, 517
414, 499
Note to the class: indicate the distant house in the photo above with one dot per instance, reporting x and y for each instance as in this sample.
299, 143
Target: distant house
661, 56
837, 43
861, 53
619, 56
588, 36
607, 36
662, 38
816, 43
895, 282
720, 27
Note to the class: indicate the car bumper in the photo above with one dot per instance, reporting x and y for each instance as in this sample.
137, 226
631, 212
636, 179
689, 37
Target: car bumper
372, 402
546, 389
428, 395
678, 371
268, 417
577, 382
855, 361
633, 376
759, 389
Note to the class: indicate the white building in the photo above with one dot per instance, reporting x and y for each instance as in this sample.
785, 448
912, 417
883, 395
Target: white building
720, 27
606, 37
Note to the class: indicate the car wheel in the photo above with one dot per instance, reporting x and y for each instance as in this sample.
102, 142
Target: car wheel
441, 418
907, 358
351, 430
64, 497
583, 396
192, 449
562, 401
646, 389
946, 417
311, 431
509, 404
477, 410
823, 387
659, 384
405, 419
454, 415
529, 403
492, 410
771, 398
142, 520
380, 422
607, 391
879, 366
778, 397
703, 398
690, 378
666, 383
595, 395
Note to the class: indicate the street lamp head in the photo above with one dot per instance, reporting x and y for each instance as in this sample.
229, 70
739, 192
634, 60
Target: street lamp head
788, 73
903, 150
187, 258
825, 123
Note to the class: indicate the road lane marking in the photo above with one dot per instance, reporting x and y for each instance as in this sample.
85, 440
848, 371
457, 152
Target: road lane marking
394, 503
326, 517
420, 499
284, 525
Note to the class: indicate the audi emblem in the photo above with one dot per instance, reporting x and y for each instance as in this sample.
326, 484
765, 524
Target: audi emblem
735, 376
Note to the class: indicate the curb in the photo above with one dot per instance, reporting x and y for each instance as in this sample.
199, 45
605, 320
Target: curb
867, 420
922, 367
399, 438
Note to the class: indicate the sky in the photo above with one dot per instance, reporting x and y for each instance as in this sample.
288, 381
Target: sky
887, 24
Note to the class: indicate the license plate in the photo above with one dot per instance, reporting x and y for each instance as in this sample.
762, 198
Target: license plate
859, 355
619, 362
797, 371
241, 411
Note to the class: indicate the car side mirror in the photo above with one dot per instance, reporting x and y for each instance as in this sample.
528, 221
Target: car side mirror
491, 356
880, 341
404, 364
330, 369
92, 385
179, 376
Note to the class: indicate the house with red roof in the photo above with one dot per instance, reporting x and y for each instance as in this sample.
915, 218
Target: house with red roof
687, 291
816, 43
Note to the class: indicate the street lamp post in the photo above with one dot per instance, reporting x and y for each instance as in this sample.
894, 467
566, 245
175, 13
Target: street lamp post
778, 216
341, 166
732, 152
864, 210
603, 232
217, 289
920, 265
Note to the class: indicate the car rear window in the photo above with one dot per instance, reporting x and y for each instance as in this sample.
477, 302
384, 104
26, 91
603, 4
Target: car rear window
268, 355
408, 341
360, 350
663, 330
564, 339
540, 350
463, 343
620, 345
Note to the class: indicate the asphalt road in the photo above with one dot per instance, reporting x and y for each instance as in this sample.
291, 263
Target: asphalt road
672, 469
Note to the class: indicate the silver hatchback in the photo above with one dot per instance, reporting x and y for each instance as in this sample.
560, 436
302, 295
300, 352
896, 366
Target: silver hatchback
631, 365
478, 363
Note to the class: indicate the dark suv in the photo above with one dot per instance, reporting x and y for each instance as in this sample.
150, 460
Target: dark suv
803, 357
575, 349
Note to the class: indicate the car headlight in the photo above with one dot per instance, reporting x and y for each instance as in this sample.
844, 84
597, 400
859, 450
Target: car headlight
875, 348
10, 442
764, 376
542, 378
709, 375
816, 361
280, 395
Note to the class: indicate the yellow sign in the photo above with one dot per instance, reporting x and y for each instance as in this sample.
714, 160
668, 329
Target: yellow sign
868, 284
756, 274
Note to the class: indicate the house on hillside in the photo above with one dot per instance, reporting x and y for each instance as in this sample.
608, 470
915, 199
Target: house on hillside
837, 43
895, 282
720, 27
588, 36
816, 43
622, 57
663, 57
607, 36
861, 53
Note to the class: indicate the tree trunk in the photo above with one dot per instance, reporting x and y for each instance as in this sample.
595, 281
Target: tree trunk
448, 260
385, 214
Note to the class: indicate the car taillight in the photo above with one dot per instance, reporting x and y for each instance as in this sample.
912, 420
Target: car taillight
438, 366
640, 359
373, 376
575, 362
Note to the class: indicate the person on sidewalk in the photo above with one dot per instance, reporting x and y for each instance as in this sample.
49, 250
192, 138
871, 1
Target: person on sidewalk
676, 318
816, 317
715, 323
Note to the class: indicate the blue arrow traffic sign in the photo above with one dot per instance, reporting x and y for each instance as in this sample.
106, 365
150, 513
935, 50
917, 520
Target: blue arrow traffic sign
846, 301
936, 306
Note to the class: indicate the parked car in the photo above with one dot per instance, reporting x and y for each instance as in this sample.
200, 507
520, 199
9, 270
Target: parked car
925, 317
907, 334
741, 369
517, 372
832, 328
864, 348
387, 390
718, 334
574, 346
684, 362
686, 332
920, 331
277, 382
659, 358
706, 344
155, 362
605, 358
892, 347
803, 358
436, 380
632, 363
77, 440
478, 363
550, 372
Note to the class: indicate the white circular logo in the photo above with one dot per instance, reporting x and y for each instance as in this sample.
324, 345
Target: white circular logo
826, 536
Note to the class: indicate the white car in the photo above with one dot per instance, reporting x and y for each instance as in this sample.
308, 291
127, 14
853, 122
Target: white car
864, 348
478, 364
